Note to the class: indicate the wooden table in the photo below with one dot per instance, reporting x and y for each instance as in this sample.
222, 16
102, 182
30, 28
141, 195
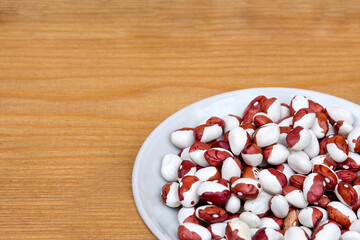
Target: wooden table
84, 82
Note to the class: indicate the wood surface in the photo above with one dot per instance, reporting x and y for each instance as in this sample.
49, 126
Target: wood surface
83, 83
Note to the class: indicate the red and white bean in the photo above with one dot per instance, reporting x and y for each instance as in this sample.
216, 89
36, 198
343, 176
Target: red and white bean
316, 107
261, 119
283, 134
238, 139
251, 219
297, 180
188, 215
343, 128
353, 140
307, 230
266, 135
295, 197
208, 174
323, 159
276, 154
328, 231
313, 148
268, 234
197, 151
250, 172
300, 162
271, 222
236, 229
216, 156
170, 194
298, 138
311, 216
304, 117
339, 114
298, 102
211, 213
186, 168
260, 205
272, 180
184, 154
346, 176
231, 121
272, 107
346, 194
249, 128
252, 155
296, 233
217, 230
207, 133
279, 206
183, 137
286, 122
188, 191
213, 193
320, 126
245, 188
329, 175
233, 205
341, 214
313, 187
169, 167
187, 231
291, 220
285, 169
337, 148
350, 235
352, 163
231, 168
284, 110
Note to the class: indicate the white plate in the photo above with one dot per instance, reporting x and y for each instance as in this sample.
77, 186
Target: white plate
146, 179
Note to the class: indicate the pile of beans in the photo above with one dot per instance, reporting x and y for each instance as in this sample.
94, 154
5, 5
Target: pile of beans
278, 171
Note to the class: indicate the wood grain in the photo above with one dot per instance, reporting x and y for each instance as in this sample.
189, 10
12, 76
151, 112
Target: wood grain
82, 84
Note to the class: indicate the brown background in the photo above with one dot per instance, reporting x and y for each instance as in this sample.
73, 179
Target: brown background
82, 84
